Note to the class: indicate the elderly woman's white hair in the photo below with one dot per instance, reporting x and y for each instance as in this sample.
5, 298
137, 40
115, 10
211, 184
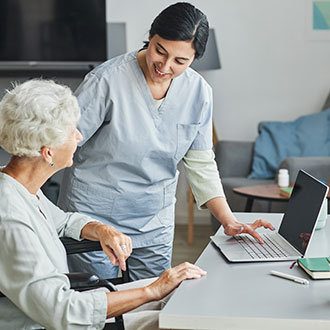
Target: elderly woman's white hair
34, 114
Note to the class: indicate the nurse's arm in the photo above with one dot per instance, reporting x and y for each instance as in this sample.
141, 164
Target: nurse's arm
219, 207
116, 246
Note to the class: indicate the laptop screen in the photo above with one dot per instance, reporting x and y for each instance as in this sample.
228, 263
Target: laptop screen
302, 210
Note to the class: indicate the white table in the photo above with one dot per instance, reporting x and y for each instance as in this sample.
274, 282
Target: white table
245, 296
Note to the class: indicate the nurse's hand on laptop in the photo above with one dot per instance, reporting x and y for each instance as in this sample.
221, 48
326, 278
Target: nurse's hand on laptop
219, 207
235, 228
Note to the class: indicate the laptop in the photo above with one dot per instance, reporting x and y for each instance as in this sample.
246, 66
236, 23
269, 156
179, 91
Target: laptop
294, 235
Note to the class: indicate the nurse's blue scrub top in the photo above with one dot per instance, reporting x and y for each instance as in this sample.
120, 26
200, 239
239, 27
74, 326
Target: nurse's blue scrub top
125, 170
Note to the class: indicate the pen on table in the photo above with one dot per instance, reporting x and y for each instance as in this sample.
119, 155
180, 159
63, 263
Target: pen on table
290, 277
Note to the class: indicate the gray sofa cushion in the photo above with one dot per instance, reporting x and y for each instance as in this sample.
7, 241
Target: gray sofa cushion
234, 158
316, 166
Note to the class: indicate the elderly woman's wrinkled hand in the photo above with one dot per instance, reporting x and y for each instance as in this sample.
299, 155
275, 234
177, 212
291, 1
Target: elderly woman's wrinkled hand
116, 246
172, 278
236, 228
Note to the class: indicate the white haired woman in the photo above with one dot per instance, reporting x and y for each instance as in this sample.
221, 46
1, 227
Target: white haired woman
38, 128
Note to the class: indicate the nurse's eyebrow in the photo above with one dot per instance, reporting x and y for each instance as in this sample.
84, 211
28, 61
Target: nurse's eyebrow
181, 58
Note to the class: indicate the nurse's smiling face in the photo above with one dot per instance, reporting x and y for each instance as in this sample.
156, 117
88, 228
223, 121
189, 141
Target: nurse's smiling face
167, 59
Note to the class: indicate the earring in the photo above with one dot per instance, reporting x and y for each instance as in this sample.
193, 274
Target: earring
51, 164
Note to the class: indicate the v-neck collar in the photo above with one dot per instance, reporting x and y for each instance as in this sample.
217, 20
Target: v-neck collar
155, 112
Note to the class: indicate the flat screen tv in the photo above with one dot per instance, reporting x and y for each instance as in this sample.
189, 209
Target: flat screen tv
52, 33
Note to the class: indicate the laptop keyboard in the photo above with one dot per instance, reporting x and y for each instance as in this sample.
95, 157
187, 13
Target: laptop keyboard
270, 249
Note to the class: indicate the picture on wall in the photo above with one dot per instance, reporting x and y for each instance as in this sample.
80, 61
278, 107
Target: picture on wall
321, 15
318, 19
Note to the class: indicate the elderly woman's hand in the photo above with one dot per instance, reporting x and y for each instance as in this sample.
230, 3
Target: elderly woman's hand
235, 228
116, 246
171, 279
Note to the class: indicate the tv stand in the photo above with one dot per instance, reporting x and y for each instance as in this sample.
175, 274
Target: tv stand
50, 69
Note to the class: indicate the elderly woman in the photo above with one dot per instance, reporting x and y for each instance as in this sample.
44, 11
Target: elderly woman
38, 128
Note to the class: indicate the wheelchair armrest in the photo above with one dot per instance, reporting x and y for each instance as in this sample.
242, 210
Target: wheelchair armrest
81, 280
85, 281
73, 246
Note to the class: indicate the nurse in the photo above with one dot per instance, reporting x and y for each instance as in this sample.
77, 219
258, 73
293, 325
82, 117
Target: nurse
141, 113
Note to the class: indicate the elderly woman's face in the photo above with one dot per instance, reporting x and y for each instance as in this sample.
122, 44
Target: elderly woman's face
63, 155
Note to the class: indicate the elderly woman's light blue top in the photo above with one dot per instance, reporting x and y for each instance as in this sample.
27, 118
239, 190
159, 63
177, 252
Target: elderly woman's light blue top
33, 261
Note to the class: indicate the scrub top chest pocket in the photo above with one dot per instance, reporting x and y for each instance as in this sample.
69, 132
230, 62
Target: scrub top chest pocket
185, 137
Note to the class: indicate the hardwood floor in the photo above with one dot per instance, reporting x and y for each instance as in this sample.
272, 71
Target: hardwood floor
184, 252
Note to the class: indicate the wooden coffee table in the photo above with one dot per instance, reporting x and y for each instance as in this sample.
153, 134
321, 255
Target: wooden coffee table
267, 192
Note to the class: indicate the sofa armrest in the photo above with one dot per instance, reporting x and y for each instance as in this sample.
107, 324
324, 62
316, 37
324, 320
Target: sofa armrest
316, 166
234, 158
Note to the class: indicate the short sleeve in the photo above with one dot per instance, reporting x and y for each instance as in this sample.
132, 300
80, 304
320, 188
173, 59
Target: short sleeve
91, 95
203, 140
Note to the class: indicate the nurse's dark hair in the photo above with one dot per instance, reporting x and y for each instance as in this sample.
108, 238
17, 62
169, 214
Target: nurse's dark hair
182, 22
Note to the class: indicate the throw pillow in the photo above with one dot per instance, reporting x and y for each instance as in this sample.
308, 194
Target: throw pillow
307, 136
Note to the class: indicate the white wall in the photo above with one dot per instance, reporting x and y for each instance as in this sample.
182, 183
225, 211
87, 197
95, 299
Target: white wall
270, 68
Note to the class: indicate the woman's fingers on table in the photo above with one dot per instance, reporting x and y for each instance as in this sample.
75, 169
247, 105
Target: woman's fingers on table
182, 272
172, 277
187, 270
